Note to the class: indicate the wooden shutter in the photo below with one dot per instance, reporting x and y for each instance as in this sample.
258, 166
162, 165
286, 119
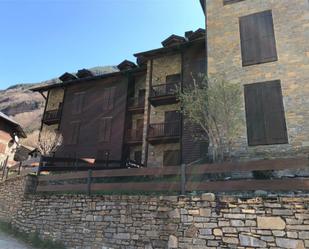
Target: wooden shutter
141, 96
173, 78
78, 103
275, 124
254, 115
75, 130
105, 129
257, 36
171, 158
109, 98
172, 123
265, 114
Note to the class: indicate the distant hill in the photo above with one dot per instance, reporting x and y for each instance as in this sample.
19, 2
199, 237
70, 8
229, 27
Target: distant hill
27, 107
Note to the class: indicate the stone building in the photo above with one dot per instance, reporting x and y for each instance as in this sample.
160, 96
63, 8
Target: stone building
10, 132
262, 45
135, 111
168, 138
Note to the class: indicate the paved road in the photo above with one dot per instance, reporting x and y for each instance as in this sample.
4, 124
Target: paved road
7, 242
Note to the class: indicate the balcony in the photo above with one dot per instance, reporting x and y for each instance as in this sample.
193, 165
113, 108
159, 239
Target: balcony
164, 133
136, 106
52, 117
164, 94
134, 136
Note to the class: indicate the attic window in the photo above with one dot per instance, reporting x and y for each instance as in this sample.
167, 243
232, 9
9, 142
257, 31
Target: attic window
173, 40
67, 77
126, 65
83, 73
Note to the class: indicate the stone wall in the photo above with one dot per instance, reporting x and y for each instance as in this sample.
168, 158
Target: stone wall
291, 32
139, 222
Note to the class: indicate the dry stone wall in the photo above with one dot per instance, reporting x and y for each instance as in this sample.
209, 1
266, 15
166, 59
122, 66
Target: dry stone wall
139, 222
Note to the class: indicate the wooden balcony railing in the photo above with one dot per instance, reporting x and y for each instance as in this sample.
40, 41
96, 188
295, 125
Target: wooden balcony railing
52, 116
136, 105
134, 136
171, 129
164, 89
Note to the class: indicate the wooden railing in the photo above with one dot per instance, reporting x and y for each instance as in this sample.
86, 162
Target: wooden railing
164, 89
186, 180
52, 116
134, 135
20, 168
170, 129
78, 164
136, 103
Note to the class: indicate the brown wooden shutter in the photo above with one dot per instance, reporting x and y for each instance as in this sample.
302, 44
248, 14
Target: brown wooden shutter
171, 158
257, 38
265, 114
275, 124
267, 41
254, 115
109, 98
78, 103
173, 78
105, 129
75, 129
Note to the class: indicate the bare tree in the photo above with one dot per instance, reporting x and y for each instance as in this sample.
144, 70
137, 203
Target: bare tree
215, 106
48, 142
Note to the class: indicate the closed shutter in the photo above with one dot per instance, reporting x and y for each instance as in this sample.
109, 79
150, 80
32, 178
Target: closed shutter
171, 158
275, 125
255, 115
109, 98
172, 123
265, 114
173, 78
75, 130
105, 129
78, 103
257, 36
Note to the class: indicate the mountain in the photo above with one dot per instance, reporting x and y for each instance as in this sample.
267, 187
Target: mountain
26, 107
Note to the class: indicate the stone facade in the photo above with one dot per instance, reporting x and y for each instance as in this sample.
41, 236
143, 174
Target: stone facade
158, 222
291, 33
55, 97
159, 68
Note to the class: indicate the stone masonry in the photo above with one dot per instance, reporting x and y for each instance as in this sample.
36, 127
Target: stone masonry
291, 25
159, 222
159, 68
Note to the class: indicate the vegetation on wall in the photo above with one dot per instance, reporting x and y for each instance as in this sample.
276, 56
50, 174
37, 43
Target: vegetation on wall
31, 239
214, 105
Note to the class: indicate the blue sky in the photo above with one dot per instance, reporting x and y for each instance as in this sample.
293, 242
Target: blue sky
41, 39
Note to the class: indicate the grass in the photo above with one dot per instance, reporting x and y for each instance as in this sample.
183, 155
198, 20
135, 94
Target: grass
32, 239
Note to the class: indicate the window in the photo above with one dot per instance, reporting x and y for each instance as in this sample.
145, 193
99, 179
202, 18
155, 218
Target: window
171, 158
108, 98
225, 2
173, 78
105, 129
78, 103
258, 44
75, 129
265, 114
